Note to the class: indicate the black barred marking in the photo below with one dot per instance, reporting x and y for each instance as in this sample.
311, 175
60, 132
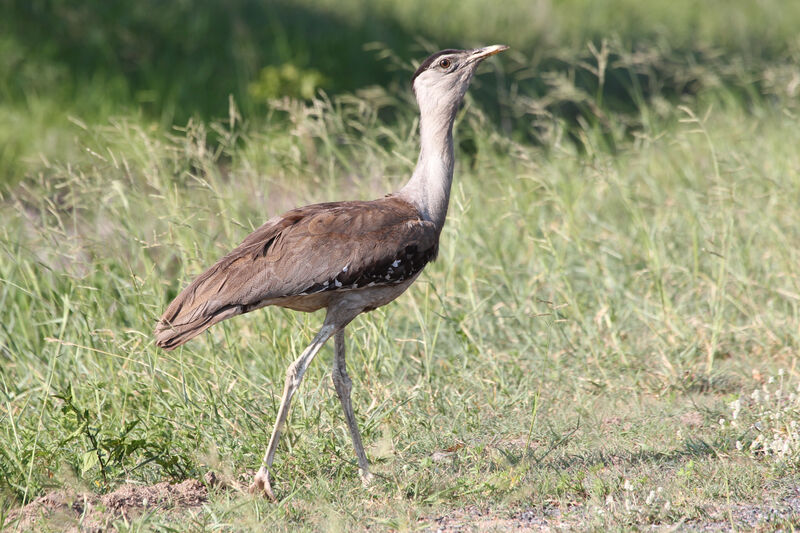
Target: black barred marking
408, 263
428, 62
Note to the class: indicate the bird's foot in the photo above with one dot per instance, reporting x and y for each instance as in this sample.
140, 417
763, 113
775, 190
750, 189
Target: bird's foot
366, 478
261, 485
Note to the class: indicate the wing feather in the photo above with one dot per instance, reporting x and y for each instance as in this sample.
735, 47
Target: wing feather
318, 248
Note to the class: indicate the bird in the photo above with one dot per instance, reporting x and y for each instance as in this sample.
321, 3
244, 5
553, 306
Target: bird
346, 257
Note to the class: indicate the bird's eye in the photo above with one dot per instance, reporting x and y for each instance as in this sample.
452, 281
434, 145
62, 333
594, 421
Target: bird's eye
445, 63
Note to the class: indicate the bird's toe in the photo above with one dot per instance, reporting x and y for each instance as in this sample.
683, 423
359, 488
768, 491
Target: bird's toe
261, 485
367, 478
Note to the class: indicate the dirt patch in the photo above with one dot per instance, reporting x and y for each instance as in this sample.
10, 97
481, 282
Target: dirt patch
692, 419
781, 515
65, 510
473, 518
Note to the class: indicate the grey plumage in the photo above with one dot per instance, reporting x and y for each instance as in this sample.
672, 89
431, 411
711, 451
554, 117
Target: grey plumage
346, 257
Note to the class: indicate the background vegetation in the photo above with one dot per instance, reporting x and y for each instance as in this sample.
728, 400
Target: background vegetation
168, 62
608, 340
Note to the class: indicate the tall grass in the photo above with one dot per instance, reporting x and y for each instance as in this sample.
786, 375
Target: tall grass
622, 290
617, 271
183, 60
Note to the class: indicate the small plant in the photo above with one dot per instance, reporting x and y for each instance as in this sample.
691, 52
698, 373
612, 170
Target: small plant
633, 506
115, 452
773, 413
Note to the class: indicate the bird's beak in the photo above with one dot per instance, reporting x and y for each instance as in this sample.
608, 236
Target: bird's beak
482, 53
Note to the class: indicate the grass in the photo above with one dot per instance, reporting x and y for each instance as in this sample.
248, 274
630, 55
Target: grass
608, 340
592, 316
172, 62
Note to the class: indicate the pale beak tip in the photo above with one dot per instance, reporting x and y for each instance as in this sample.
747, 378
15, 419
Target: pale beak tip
483, 53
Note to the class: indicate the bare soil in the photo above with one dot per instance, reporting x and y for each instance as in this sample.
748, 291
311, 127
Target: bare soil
782, 515
65, 510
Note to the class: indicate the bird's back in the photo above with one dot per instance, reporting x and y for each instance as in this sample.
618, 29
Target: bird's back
302, 260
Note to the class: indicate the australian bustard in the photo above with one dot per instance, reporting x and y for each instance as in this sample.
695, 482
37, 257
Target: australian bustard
347, 257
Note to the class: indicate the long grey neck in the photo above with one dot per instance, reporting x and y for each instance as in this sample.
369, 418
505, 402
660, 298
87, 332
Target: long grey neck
429, 187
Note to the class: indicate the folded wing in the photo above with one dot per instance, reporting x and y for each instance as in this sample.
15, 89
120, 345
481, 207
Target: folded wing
310, 250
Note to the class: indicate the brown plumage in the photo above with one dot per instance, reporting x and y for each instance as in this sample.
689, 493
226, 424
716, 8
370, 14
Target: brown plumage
301, 260
345, 257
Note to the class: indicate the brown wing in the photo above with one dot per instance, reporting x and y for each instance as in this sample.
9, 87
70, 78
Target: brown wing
313, 249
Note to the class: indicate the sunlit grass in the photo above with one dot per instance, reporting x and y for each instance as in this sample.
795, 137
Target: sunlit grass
570, 60
635, 294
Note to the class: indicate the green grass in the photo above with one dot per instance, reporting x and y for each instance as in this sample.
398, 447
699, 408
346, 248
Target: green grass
608, 340
170, 62
625, 297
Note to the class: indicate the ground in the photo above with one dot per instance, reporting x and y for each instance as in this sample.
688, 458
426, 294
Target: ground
608, 340
182, 502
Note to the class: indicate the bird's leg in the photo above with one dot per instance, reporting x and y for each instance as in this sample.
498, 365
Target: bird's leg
343, 386
294, 375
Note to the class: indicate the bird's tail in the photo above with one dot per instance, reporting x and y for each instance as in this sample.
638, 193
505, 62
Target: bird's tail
170, 335
197, 308
225, 290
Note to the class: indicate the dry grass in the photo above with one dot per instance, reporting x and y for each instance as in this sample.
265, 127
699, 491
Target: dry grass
592, 316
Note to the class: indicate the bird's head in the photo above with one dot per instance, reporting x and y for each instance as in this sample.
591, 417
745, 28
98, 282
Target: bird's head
443, 78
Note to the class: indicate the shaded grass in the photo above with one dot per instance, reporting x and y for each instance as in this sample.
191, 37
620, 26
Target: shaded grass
635, 294
576, 61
